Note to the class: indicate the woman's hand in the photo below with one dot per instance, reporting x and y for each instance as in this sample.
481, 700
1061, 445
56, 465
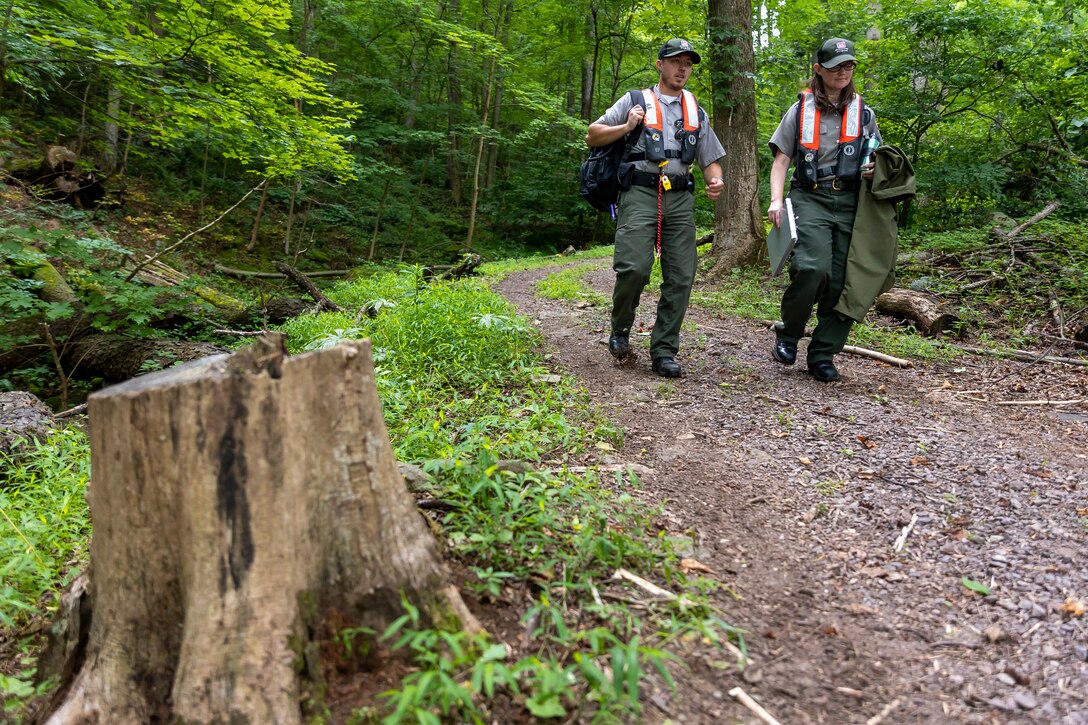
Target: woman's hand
774, 213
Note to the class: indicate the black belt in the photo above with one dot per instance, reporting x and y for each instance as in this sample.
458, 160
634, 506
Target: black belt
836, 184
680, 182
640, 156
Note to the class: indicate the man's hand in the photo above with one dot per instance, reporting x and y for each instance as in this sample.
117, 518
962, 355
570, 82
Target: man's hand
774, 213
867, 170
634, 117
714, 187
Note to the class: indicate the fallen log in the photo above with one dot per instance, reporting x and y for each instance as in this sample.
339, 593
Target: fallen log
116, 358
232, 272
924, 309
311, 289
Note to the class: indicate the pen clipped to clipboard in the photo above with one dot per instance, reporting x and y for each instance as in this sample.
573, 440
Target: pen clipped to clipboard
781, 239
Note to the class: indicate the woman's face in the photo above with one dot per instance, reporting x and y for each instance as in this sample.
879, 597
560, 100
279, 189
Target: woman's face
837, 78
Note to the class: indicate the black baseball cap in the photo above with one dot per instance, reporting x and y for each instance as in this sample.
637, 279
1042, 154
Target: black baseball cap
834, 52
677, 46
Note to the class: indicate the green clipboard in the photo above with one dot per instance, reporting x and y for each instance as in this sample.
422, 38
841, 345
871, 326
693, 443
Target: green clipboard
781, 239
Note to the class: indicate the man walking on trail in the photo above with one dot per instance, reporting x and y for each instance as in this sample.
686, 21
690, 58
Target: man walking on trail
656, 204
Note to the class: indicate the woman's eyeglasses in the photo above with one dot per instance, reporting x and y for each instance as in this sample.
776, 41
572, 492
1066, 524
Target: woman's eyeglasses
848, 67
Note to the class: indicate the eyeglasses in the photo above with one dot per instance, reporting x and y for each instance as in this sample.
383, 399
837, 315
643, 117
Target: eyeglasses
848, 67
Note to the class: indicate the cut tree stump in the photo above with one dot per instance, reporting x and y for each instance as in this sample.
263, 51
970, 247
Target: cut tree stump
246, 509
924, 309
23, 417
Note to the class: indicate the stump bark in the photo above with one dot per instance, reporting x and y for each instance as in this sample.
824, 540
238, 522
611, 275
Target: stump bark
241, 505
923, 309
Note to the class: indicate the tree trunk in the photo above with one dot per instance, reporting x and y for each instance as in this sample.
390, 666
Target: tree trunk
257, 219
246, 509
738, 220
453, 67
589, 65
23, 419
921, 308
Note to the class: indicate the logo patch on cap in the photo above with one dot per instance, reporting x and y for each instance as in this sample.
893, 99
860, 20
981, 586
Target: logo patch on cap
841, 45
685, 45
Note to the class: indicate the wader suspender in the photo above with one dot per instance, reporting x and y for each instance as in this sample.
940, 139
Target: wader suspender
654, 142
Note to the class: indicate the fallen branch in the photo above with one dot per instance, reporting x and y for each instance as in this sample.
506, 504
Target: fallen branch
190, 235
651, 588
311, 289
902, 540
232, 272
81, 408
1017, 355
889, 359
241, 333
1047, 211
743, 698
1056, 403
879, 717
851, 349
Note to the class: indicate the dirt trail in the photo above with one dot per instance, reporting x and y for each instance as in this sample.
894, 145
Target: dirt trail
796, 492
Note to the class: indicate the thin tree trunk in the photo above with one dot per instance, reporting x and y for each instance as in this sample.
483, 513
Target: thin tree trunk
453, 128
738, 219
378, 218
291, 216
479, 157
589, 64
257, 220
111, 131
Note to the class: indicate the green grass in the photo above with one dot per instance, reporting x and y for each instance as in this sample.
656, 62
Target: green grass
498, 269
570, 284
44, 523
44, 532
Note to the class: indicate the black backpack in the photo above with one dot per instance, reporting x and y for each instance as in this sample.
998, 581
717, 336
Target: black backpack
598, 179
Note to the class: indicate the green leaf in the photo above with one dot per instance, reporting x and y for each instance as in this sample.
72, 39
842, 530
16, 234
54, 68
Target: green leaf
545, 705
975, 586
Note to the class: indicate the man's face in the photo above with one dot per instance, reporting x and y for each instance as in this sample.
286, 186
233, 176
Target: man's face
675, 71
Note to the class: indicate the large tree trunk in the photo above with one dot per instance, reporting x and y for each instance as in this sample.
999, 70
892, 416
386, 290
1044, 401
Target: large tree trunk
738, 221
245, 509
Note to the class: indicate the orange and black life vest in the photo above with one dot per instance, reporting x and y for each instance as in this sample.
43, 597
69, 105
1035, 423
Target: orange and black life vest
851, 139
653, 135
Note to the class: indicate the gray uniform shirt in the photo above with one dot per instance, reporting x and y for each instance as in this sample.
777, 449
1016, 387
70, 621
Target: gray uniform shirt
707, 150
785, 138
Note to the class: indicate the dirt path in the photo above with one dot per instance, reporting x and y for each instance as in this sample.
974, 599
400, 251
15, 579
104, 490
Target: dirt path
796, 492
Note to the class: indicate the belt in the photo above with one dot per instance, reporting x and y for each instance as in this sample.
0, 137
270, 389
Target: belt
836, 184
680, 182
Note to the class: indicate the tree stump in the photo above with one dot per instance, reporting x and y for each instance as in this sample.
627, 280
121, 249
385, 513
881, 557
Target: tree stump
245, 508
22, 417
924, 309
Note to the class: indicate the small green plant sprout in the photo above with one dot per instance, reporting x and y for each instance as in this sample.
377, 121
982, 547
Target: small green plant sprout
334, 338
976, 587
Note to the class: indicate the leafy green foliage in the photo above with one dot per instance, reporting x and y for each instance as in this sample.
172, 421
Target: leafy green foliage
460, 383
44, 524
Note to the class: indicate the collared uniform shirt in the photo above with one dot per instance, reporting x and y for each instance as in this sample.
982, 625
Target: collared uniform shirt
785, 138
707, 150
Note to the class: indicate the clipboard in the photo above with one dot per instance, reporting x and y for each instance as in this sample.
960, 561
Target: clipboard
781, 240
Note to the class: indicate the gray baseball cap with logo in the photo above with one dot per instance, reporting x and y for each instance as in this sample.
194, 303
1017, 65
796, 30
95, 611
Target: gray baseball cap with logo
677, 46
835, 52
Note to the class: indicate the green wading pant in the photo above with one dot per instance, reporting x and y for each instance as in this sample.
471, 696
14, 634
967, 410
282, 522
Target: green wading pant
636, 231
825, 219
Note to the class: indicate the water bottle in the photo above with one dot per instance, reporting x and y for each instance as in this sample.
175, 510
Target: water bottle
867, 150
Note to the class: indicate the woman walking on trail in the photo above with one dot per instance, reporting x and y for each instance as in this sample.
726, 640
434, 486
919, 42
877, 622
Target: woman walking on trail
824, 135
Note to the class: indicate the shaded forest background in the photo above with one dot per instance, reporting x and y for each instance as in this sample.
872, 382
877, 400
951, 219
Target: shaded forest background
413, 130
